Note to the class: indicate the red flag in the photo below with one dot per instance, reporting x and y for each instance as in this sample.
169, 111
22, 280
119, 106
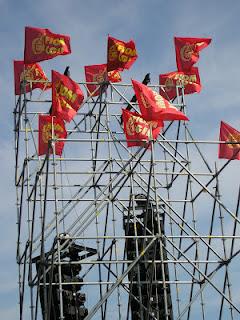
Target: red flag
153, 106
31, 72
189, 79
95, 73
45, 134
229, 134
136, 128
98, 73
187, 51
67, 96
120, 55
114, 76
42, 44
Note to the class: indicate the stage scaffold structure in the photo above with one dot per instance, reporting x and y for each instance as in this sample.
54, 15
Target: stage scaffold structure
108, 231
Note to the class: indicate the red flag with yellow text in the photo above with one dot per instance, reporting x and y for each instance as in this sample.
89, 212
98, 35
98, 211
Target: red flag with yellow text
67, 96
46, 126
42, 44
153, 106
187, 51
138, 129
98, 73
120, 55
232, 149
29, 73
114, 76
189, 79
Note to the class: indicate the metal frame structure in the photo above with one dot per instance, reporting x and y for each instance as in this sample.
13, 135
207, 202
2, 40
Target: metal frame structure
89, 198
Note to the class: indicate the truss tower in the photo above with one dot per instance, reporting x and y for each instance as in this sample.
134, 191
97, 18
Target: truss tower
110, 232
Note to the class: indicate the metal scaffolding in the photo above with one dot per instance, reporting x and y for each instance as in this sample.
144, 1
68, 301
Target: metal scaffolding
110, 232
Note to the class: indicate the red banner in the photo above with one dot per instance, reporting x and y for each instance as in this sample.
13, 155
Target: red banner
136, 128
120, 55
67, 96
98, 73
31, 72
95, 73
189, 79
42, 44
187, 51
231, 150
46, 126
114, 76
153, 106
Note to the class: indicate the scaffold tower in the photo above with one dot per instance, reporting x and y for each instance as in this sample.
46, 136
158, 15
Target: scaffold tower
111, 232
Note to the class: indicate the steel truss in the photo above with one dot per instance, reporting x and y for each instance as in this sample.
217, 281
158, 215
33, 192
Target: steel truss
184, 233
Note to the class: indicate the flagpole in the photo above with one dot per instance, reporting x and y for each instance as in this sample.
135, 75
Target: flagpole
160, 233
53, 142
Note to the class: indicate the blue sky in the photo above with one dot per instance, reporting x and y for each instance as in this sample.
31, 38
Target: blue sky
152, 24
